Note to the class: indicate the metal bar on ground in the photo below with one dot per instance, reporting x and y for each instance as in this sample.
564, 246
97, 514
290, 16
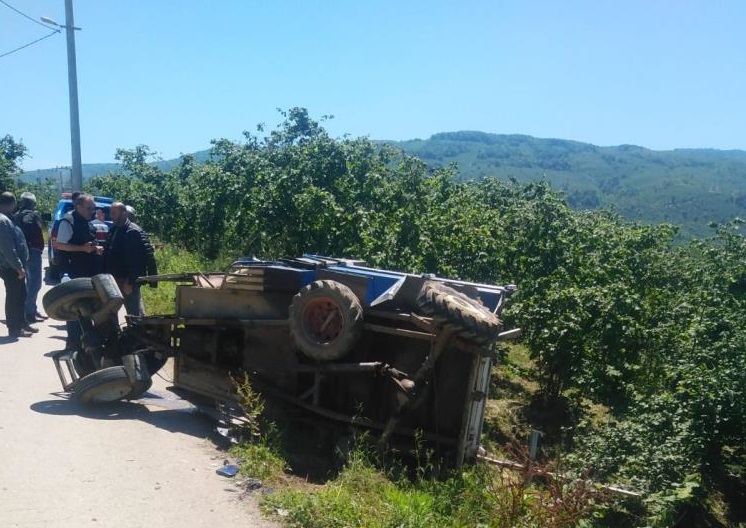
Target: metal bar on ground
515, 466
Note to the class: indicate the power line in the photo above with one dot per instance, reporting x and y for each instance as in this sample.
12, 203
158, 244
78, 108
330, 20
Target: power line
24, 15
30, 43
6, 4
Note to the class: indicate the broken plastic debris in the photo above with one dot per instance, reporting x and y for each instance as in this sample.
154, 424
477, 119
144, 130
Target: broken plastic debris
226, 434
229, 470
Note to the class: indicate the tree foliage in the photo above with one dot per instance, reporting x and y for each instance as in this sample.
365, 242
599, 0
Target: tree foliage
613, 313
12, 153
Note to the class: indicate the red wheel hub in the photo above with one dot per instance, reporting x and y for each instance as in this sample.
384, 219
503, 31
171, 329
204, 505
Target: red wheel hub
322, 320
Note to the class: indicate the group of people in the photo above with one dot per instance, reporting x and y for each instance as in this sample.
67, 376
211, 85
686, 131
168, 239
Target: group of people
126, 254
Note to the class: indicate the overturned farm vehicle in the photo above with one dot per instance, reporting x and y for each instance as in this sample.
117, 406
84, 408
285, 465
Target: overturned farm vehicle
389, 351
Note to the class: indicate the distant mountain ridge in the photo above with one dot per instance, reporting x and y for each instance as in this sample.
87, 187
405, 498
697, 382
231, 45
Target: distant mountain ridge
689, 187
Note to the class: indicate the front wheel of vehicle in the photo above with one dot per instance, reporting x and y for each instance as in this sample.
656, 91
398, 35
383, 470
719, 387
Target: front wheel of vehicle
103, 386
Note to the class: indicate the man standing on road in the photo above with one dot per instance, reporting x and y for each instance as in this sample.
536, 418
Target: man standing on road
76, 248
30, 223
126, 257
13, 255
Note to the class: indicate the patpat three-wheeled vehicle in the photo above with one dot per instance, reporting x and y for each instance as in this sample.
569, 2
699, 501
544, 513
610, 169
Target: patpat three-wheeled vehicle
389, 351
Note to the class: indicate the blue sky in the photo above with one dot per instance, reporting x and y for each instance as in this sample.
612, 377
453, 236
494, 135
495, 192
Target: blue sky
174, 74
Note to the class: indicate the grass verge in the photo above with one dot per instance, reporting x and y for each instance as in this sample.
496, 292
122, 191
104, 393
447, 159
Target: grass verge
367, 492
173, 259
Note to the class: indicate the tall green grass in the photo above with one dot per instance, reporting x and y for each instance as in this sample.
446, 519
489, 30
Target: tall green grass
173, 259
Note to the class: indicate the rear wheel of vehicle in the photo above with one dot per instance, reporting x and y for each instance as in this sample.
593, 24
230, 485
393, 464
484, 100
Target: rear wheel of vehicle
103, 386
326, 320
71, 300
447, 305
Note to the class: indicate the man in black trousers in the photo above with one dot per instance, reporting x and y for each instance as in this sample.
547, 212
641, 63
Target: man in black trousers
30, 223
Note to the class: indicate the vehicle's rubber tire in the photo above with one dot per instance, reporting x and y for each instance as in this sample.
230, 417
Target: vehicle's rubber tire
103, 386
136, 367
139, 388
445, 304
71, 300
110, 295
108, 290
326, 320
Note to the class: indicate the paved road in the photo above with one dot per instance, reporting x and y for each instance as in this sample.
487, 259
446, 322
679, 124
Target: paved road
127, 465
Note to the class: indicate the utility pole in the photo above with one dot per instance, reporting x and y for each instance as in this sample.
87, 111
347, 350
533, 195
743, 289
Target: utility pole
76, 172
72, 81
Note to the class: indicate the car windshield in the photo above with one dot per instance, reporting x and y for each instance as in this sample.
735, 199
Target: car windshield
68, 206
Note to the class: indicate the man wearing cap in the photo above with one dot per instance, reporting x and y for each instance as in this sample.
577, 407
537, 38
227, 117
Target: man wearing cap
30, 223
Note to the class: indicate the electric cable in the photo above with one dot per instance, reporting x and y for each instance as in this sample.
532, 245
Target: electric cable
24, 15
29, 44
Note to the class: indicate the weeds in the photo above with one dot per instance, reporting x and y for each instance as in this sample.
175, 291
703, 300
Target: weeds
261, 456
365, 494
259, 461
372, 490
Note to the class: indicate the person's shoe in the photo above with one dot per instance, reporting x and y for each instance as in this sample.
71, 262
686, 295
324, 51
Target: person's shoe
31, 329
21, 333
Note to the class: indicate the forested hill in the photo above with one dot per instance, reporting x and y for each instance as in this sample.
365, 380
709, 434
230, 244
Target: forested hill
690, 187
90, 170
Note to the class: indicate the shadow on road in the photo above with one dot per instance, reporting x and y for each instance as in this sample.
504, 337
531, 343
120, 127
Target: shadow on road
185, 421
